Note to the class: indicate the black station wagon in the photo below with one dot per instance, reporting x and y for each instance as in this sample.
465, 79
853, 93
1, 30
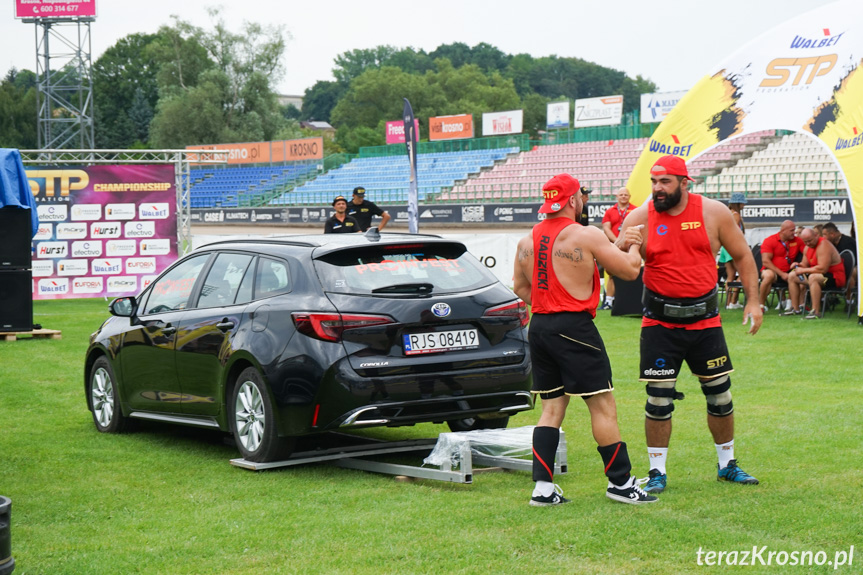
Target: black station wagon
274, 338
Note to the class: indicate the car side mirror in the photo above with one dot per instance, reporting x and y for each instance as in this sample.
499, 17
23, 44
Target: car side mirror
123, 306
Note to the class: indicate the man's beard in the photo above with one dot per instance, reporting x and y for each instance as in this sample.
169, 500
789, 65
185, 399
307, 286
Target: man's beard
669, 202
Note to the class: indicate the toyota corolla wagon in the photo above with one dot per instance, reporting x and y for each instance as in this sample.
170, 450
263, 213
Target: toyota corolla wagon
275, 338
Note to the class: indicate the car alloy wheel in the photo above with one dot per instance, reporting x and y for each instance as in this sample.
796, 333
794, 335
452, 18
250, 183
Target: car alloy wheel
253, 421
104, 401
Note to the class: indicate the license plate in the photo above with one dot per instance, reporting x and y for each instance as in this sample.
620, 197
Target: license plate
435, 342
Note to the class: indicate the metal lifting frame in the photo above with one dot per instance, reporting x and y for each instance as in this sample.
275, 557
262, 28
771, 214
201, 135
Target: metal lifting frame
180, 158
353, 457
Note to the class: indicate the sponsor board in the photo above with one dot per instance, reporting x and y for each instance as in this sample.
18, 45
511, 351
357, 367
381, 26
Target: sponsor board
155, 247
122, 284
605, 111
52, 212
656, 106
87, 249
71, 231
153, 211
450, 127
557, 115
52, 249
72, 268
140, 266
106, 266
120, 211
52, 286
45, 232
102, 230
121, 248
88, 285
86, 212
139, 229
42, 268
501, 123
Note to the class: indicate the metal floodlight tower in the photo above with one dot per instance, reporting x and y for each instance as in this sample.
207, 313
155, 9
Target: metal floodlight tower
64, 83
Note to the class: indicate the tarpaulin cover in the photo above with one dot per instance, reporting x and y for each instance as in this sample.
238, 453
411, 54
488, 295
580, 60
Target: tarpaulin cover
14, 188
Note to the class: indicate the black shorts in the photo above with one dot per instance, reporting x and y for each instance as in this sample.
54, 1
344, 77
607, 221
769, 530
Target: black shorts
568, 355
663, 351
830, 282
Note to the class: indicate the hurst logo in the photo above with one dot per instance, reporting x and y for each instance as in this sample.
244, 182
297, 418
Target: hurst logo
104, 230
52, 249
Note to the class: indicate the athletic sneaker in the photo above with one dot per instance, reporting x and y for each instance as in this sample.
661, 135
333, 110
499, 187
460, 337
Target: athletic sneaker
656, 482
791, 312
605, 305
734, 474
556, 498
813, 315
630, 492
734, 306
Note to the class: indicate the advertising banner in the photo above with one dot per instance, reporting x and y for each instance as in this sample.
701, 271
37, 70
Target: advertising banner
396, 131
501, 123
266, 152
451, 127
241, 153
304, 149
557, 115
412, 135
55, 8
654, 107
104, 231
605, 111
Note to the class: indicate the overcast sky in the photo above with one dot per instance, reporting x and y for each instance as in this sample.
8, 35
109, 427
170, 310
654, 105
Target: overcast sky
673, 42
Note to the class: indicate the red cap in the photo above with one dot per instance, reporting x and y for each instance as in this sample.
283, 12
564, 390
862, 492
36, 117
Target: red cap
557, 191
671, 166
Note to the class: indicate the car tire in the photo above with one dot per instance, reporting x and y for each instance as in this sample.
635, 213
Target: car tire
104, 399
253, 421
473, 423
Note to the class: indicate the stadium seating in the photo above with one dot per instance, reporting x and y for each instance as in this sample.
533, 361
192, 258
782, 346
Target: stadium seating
386, 179
235, 186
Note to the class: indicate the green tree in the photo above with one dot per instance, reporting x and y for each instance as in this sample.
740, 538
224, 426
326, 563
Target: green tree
320, 99
230, 100
124, 85
18, 121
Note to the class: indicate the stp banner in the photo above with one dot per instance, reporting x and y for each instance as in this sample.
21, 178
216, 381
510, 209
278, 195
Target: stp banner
104, 231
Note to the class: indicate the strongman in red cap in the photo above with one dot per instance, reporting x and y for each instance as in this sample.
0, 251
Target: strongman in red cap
555, 272
682, 232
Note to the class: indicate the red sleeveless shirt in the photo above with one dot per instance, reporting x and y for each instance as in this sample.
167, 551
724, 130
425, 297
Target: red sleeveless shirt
547, 295
679, 260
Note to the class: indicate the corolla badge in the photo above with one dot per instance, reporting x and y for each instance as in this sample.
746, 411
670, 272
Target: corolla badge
441, 309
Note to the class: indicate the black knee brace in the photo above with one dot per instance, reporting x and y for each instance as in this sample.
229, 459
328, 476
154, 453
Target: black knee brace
615, 459
717, 391
660, 399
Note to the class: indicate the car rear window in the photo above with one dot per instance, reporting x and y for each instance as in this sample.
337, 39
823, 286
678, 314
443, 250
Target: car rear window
402, 269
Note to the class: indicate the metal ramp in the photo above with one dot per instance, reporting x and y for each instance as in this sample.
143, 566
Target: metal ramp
359, 453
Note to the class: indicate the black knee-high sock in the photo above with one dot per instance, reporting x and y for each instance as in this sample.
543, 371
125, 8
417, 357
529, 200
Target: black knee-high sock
616, 461
545, 440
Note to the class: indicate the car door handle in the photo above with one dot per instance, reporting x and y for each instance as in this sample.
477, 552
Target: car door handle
169, 330
225, 325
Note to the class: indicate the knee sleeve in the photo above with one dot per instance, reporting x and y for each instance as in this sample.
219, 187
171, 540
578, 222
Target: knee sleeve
660, 399
717, 391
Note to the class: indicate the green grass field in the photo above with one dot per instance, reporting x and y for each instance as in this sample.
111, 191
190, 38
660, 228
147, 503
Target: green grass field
166, 500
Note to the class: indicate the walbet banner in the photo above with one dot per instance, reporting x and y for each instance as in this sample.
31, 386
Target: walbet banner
104, 231
803, 75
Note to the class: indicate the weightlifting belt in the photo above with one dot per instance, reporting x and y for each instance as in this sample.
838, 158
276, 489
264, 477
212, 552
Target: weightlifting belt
680, 310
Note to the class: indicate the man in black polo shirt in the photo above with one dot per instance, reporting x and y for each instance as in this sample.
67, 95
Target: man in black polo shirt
364, 210
340, 222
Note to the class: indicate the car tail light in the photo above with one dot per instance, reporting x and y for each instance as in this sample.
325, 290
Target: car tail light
331, 326
516, 309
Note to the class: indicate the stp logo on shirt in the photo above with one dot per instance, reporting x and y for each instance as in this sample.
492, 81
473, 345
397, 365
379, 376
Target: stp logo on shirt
690, 225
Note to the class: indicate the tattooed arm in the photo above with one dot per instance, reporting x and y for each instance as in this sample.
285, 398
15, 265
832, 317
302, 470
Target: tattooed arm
523, 271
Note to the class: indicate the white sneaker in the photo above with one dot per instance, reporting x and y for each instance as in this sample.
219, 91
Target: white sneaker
788, 305
734, 306
778, 306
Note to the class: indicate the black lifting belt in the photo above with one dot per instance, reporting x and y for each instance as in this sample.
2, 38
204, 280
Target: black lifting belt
680, 310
